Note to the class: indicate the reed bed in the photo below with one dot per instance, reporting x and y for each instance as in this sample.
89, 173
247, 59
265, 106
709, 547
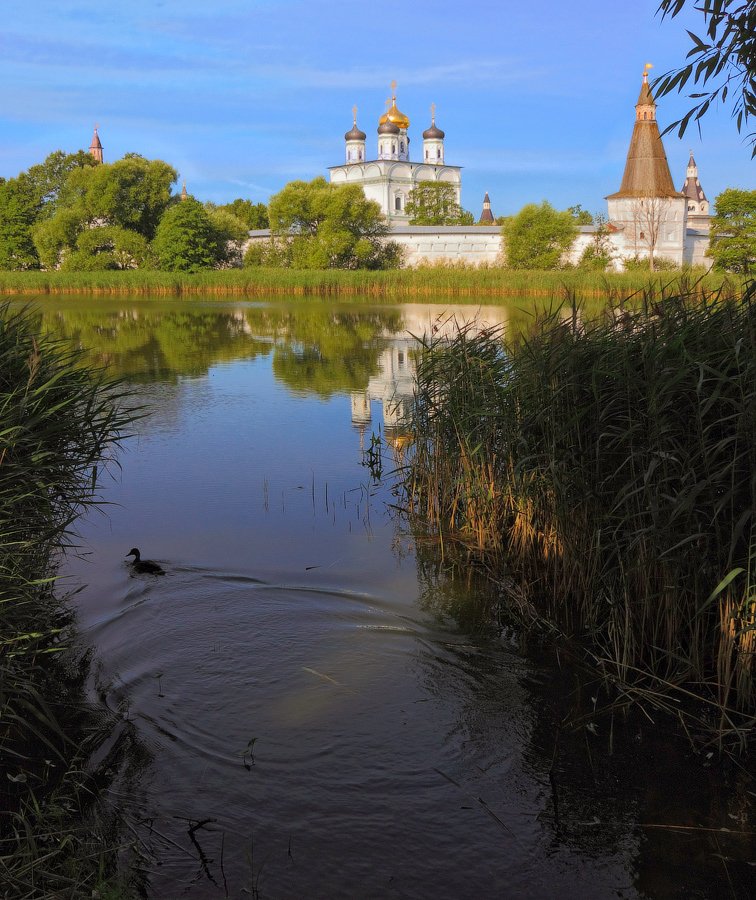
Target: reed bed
428, 282
60, 424
605, 473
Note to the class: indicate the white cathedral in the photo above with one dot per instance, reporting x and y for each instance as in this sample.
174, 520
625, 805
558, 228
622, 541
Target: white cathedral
391, 175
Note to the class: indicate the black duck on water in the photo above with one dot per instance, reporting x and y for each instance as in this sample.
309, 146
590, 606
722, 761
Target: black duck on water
144, 566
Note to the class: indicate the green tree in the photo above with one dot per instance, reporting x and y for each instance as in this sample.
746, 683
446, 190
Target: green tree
537, 237
724, 59
580, 215
107, 247
435, 203
599, 254
733, 231
329, 226
131, 194
254, 215
231, 232
46, 179
186, 239
17, 215
31, 198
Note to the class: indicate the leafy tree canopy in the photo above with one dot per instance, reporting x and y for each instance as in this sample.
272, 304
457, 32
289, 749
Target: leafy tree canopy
600, 253
733, 231
724, 60
580, 215
254, 215
129, 194
187, 240
46, 179
435, 203
107, 247
29, 198
17, 215
537, 237
133, 192
324, 226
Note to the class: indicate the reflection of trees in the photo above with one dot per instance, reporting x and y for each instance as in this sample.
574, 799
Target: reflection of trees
317, 348
325, 350
154, 343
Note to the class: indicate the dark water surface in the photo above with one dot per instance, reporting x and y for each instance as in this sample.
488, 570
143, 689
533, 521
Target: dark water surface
307, 697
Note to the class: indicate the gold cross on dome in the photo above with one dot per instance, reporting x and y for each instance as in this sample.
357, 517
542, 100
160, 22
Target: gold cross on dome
354, 113
433, 112
393, 88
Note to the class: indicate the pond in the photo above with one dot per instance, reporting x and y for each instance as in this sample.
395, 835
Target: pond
324, 711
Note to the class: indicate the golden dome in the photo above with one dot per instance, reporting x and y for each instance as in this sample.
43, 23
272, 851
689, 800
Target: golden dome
394, 116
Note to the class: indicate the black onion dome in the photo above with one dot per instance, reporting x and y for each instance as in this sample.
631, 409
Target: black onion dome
433, 133
388, 127
355, 134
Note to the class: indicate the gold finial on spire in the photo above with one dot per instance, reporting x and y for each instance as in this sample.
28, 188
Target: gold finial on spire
645, 70
354, 115
433, 113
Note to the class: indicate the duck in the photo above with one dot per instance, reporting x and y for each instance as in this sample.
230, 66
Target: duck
144, 566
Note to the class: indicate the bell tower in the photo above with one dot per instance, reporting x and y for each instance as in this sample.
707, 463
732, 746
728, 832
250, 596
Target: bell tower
95, 148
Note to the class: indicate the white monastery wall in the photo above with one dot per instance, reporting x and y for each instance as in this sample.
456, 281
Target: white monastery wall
428, 244
482, 244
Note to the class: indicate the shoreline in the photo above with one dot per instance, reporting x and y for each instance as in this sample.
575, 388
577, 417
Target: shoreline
421, 282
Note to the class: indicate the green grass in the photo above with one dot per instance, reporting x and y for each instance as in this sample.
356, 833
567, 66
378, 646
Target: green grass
60, 424
604, 472
425, 282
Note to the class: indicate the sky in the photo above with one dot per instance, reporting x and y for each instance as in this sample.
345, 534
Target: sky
242, 96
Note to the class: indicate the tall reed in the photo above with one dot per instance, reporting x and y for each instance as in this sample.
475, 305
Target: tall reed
425, 282
607, 473
60, 424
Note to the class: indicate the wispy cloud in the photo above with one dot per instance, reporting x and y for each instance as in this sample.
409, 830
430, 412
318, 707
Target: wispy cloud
461, 73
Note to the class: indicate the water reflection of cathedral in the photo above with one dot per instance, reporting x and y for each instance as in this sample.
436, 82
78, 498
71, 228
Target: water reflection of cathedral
394, 384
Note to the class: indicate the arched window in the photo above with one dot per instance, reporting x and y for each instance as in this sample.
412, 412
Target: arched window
427, 154
398, 203
393, 148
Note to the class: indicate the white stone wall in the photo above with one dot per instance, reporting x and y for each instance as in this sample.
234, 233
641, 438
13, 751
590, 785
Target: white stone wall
428, 244
482, 244
696, 245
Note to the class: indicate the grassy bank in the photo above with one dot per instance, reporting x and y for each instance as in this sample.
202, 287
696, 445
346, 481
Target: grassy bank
427, 283
59, 424
604, 474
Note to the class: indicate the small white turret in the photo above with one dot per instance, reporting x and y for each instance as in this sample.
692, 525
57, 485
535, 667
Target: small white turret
355, 142
433, 142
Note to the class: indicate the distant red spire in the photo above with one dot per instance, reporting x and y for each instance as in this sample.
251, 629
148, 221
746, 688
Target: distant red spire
95, 148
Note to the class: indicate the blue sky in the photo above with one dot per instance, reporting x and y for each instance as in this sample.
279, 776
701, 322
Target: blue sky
241, 96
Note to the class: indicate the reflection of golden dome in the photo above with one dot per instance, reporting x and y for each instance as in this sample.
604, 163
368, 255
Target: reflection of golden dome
394, 116
395, 437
